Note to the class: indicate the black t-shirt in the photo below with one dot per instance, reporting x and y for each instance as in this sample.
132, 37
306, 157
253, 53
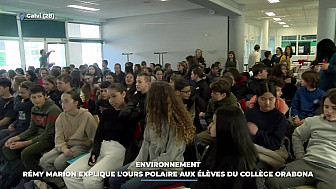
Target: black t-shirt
7, 110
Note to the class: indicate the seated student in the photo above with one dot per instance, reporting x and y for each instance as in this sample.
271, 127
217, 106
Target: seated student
221, 96
129, 83
50, 85
120, 76
110, 77
268, 59
281, 71
95, 72
143, 83
213, 75
66, 70
40, 135
259, 75
7, 113
239, 89
231, 150
23, 106
168, 130
103, 101
44, 72
75, 129
31, 76
183, 90
174, 77
202, 87
64, 83
320, 156
158, 73
307, 98
110, 142
266, 124
280, 104
16, 83
88, 93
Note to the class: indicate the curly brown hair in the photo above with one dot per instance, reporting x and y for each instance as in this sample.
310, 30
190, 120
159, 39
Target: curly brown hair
165, 107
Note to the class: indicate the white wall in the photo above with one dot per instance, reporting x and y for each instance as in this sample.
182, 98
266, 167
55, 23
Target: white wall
178, 33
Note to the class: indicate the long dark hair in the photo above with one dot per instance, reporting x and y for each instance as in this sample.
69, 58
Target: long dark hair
32, 74
232, 142
192, 63
120, 88
325, 49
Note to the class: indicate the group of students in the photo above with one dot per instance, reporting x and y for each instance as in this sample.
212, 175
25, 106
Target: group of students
110, 121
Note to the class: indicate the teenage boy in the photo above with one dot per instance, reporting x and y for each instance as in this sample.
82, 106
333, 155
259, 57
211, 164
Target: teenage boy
259, 75
64, 83
7, 113
143, 83
213, 75
105, 69
40, 135
221, 96
103, 102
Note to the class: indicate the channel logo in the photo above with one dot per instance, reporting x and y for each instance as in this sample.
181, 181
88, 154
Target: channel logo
38, 16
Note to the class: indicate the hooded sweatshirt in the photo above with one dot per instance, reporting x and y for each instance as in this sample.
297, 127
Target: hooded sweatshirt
42, 124
75, 130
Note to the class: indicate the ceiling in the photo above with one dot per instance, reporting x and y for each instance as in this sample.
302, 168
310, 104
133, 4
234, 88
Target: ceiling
108, 8
296, 13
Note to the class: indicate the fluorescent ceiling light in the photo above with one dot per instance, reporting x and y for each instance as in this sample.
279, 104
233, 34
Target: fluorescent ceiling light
83, 8
270, 13
274, 1
277, 19
285, 26
282, 23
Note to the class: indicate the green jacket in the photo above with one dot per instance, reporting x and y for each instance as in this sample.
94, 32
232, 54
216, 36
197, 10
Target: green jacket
42, 124
214, 105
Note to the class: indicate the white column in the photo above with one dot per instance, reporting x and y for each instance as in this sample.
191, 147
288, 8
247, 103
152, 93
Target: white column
264, 35
326, 20
236, 39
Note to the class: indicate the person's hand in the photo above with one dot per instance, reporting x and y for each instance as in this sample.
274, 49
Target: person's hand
92, 160
325, 66
69, 152
17, 145
297, 121
101, 109
288, 80
201, 114
253, 128
10, 141
52, 51
11, 127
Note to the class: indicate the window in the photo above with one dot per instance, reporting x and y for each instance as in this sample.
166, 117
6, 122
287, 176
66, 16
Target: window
57, 57
32, 53
84, 53
9, 55
83, 31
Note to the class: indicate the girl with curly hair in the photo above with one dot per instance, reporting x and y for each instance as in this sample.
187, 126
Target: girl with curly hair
168, 130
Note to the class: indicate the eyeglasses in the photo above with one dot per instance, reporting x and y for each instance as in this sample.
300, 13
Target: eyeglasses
65, 101
186, 92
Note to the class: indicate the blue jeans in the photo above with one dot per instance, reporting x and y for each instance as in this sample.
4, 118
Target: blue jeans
134, 183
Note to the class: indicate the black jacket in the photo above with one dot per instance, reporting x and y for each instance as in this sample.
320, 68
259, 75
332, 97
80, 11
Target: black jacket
117, 126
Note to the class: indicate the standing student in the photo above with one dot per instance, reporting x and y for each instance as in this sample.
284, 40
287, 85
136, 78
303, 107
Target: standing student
110, 142
231, 150
326, 52
199, 57
44, 58
254, 57
202, 87
23, 106
75, 129
287, 56
40, 135
7, 113
268, 59
168, 130
231, 61
320, 155
277, 56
